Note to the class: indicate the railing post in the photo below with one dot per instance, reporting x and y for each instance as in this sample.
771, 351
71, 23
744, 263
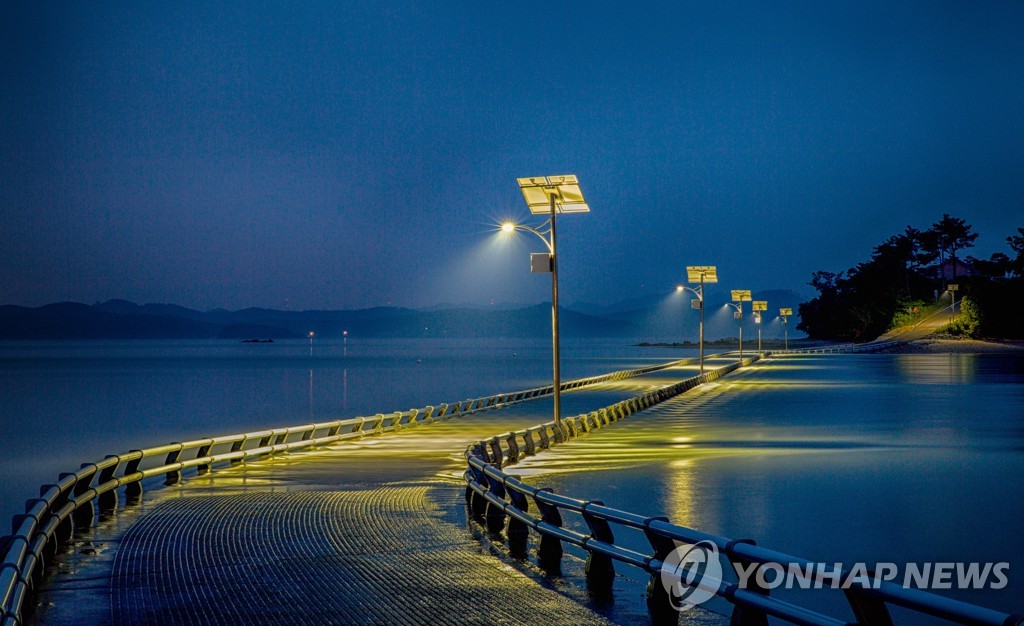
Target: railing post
659, 601
513, 447
85, 511
572, 427
549, 549
108, 499
205, 467
528, 444
743, 615
133, 490
556, 430
495, 514
866, 609
600, 570
237, 447
518, 532
173, 476
545, 443
477, 503
497, 456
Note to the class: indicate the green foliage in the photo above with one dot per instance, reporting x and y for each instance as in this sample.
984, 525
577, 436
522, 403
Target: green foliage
969, 323
880, 294
912, 311
1016, 265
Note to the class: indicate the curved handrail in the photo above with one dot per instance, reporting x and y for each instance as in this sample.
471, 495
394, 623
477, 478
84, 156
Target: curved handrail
871, 346
500, 498
51, 519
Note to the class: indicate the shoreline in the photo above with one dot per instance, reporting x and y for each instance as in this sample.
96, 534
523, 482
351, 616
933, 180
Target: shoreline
959, 346
928, 345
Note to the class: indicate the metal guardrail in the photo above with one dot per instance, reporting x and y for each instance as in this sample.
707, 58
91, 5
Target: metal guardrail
51, 519
840, 348
502, 502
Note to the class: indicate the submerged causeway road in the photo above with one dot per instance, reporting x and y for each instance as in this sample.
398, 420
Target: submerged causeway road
367, 531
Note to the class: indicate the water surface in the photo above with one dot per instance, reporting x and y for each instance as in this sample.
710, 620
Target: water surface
65, 403
874, 458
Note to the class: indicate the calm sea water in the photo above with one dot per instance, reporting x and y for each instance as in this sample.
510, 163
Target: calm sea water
875, 458
847, 458
66, 403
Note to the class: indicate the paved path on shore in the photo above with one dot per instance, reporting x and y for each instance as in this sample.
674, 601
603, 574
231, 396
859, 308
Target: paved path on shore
923, 328
369, 531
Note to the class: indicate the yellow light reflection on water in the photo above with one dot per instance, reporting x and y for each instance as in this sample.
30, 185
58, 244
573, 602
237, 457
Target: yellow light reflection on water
938, 369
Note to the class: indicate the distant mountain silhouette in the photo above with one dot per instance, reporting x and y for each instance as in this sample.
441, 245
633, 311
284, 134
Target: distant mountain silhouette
650, 318
120, 319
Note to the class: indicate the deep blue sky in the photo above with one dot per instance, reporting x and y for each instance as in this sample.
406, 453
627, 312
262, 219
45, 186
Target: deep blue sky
351, 154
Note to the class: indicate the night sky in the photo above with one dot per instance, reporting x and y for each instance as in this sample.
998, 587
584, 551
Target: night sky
355, 154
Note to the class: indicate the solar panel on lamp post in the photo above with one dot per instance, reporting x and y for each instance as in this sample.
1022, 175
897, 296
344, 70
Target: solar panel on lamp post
741, 296
701, 274
784, 314
550, 195
758, 306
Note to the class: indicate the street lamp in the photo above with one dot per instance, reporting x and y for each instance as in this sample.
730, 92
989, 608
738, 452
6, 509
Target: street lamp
741, 296
550, 195
758, 306
700, 274
952, 288
785, 313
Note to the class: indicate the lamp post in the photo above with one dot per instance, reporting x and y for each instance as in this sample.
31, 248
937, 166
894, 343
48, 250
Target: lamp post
758, 306
785, 313
741, 296
952, 288
699, 274
550, 195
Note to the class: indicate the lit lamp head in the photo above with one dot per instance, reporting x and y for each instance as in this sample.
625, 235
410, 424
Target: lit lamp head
507, 227
680, 287
740, 296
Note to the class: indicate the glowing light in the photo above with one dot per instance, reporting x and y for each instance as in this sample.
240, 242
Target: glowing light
679, 287
507, 227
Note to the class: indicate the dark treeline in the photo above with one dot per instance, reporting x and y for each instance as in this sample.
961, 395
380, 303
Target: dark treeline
906, 278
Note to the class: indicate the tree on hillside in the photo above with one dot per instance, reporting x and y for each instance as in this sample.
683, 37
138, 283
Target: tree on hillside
953, 234
996, 266
1017, 245
902, 252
